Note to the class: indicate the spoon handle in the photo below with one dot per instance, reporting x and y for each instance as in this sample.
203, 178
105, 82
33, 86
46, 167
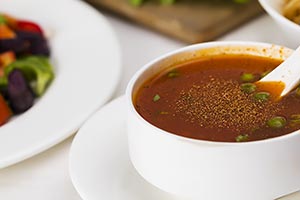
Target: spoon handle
292, 196
288, 72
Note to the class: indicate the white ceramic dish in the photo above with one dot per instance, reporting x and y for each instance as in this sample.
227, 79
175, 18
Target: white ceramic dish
264, 170
99, 163
291, 29
86, 58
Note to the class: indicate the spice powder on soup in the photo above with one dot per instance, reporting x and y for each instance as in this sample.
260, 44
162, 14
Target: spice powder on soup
221, 103
216, 99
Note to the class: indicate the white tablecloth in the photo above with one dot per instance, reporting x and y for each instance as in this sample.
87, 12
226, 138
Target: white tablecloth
46, 176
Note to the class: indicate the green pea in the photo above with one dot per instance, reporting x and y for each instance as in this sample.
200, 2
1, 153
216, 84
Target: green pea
156, 98
247, 77
173, 74
262, 96
248, 87
277, 122
242, 138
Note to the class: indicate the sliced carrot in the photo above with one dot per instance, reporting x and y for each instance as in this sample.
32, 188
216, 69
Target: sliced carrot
7, 58
6, 32
5, 112
10, 21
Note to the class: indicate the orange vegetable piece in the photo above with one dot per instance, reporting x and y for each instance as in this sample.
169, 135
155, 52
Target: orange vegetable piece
10, 21
6, 58
6, 32
5, 112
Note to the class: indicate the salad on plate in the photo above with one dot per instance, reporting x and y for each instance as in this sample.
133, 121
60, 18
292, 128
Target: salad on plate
25, 69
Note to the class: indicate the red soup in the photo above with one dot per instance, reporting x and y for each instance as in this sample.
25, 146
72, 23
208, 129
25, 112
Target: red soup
216, 99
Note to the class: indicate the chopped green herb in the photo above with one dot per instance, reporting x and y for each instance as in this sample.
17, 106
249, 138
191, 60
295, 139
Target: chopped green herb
262, 96
248, 87
247, 77
242, 138
298, 91
295, 119
2, 19
295, 116
163, 112
156, 98
254, 129
277, 122
173, 74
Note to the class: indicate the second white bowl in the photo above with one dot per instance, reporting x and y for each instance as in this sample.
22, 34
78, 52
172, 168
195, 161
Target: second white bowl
291, 29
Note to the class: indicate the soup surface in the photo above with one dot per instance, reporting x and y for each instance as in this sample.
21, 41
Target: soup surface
216, 99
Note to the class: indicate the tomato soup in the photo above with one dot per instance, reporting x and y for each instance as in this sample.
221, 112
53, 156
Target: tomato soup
216, 99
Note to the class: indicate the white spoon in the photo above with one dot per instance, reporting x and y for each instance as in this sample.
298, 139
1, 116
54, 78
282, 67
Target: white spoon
287, 72
292, 196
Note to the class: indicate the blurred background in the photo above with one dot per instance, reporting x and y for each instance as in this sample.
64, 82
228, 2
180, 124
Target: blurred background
190, 21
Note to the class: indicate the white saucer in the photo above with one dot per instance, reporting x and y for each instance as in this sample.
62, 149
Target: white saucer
100, 167
99, 162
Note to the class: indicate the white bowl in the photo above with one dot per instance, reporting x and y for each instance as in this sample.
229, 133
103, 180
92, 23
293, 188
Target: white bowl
291, 29
260, 170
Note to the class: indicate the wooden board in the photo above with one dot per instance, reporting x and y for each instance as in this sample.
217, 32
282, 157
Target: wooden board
191, 21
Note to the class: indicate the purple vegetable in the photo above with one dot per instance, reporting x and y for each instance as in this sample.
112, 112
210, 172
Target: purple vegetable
38, 43
26, 43
20, 95
17, 45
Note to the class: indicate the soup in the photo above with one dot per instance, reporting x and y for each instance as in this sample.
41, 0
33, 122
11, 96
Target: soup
215, 99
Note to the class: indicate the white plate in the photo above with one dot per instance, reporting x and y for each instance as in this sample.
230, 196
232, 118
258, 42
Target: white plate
86, 58
99, 162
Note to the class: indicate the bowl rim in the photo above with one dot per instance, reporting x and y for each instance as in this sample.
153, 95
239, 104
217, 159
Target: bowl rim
190, 48
277, 15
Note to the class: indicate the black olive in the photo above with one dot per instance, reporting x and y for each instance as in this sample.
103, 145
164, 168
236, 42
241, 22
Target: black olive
20, 95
